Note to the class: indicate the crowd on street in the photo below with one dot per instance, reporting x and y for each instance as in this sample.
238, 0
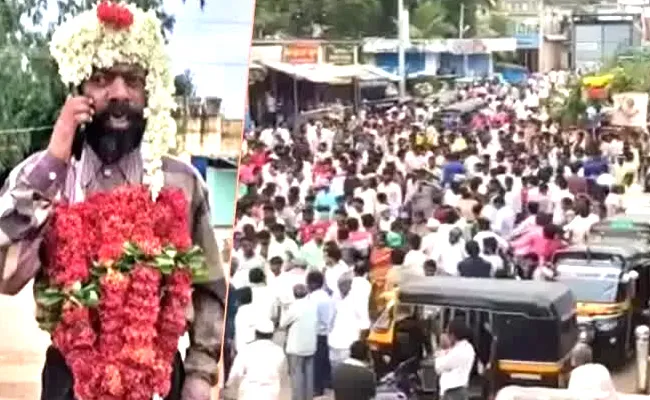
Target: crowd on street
340, 210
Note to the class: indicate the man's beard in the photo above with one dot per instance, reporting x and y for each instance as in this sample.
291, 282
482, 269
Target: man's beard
109, 143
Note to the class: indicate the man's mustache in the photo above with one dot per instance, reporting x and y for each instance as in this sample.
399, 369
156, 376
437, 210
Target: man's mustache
119, 109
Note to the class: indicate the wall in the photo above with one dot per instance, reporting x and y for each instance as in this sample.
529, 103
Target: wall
222, 186
478, 64
415, 62
597, 42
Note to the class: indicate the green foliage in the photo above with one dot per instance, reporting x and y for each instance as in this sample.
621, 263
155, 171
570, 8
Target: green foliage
630, 72
431, 20
184, 84
353, 19
31, 92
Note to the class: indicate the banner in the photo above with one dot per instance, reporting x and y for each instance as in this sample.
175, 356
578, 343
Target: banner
300, 53
340, 55
630, 109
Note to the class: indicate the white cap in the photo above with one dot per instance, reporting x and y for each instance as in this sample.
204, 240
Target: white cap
433, 223
264, 326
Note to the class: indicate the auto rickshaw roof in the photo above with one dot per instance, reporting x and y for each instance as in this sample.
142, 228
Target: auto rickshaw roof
623, 223
533, 298
615, 248
466, 106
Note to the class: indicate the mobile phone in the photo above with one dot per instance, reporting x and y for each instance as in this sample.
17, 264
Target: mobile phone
80, 135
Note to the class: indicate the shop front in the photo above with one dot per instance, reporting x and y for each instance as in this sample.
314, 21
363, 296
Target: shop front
305, 77
436, 57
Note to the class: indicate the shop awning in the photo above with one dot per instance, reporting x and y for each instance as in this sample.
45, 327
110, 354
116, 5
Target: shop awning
331, 74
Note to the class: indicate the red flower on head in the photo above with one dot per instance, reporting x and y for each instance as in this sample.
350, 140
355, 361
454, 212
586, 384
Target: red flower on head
114, 15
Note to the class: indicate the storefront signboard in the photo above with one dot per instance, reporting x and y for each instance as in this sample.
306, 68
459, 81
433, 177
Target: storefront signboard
300, 53
340, 55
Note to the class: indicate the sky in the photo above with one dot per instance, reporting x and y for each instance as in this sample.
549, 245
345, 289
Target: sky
214, 44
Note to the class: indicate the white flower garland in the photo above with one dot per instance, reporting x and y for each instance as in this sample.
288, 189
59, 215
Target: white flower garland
83, 43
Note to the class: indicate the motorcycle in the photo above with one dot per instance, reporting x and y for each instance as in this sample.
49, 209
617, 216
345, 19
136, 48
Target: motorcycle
401, 384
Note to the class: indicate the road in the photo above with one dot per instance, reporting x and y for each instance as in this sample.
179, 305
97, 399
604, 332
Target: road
22, 348
23, 344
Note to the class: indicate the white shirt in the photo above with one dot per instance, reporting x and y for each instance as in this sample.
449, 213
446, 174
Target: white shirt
448, 256
245, 321
504, 221
414, 261
482, 235
346, 328
455, 365
302, 321
592, 381
332, 275
259, 369
361, 290
265, 302
580, 226
393, 193
287, 249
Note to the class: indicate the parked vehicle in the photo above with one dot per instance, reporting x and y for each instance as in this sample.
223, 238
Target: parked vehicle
611, 283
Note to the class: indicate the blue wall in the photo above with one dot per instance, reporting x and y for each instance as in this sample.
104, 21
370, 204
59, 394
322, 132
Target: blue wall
222, 186
478, 64
528, 41
388, 62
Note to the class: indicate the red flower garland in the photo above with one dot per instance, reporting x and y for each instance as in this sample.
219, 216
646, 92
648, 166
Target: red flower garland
115, 15
123, 265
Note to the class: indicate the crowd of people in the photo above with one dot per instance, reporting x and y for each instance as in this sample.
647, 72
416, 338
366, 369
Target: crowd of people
341, 210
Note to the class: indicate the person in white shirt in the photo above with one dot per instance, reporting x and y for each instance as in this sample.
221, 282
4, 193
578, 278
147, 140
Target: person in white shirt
361, 290
325, 313
589, 380
450, 252
578, 228
346, 325
258, 369
301, 323
247, 259
336, 267
393, 193
281, 245
415, 257
455, 361
245, 319
265, 301
504, 218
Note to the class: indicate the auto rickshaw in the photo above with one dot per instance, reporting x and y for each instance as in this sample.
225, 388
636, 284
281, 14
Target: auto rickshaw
624, 227
610, 281
459, 114
523, 331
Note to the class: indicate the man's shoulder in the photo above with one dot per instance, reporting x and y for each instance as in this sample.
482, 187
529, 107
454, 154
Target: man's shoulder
178, 166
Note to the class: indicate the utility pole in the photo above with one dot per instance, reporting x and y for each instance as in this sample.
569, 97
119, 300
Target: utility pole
461, 21
401, 48
540, 46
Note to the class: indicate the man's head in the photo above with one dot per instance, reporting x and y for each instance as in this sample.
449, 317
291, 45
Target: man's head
124, 69
359, 351
119, 98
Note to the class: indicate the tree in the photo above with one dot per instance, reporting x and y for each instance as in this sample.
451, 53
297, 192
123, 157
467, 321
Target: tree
353, 19
31, 92
184, 84
431, 20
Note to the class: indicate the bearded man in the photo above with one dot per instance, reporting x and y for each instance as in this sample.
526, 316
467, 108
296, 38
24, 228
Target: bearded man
118, 123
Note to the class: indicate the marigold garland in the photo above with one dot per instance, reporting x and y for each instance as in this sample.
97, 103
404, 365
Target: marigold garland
119, 271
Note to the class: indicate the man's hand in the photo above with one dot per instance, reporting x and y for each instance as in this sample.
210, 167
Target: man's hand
196, 389
445, 341
76, 111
